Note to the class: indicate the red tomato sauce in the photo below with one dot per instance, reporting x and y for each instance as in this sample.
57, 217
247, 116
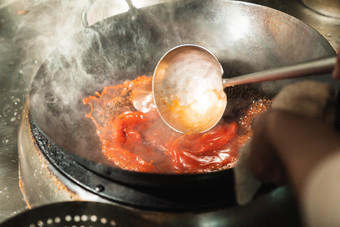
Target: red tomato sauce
141, 141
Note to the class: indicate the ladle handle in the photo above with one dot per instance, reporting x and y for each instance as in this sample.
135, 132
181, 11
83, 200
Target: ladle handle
299, 70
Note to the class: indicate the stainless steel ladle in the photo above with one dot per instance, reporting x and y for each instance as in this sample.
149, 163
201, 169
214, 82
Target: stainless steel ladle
188, 88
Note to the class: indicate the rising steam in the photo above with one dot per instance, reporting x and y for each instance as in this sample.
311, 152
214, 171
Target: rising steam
51, 23
74, 61
47, 24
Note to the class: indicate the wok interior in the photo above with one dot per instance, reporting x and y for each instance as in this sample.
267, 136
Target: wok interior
244, 37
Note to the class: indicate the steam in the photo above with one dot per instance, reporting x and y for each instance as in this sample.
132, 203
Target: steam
51, 25
47, 24
71, 61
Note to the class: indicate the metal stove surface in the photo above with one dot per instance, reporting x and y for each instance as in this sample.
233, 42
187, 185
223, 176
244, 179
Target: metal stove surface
13, 90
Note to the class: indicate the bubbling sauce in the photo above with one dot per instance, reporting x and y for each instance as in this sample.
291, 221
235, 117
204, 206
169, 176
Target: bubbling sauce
135, 138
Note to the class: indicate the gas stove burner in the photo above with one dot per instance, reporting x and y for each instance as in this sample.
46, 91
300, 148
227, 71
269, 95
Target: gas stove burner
187, 199
49, 175
250, 38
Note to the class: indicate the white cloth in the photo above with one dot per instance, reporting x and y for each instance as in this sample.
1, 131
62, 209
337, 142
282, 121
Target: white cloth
246, 185
320, 201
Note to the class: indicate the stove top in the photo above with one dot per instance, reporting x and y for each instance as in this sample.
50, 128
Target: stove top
13, 90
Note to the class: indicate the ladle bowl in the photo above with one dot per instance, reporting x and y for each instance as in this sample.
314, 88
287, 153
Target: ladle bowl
188, 88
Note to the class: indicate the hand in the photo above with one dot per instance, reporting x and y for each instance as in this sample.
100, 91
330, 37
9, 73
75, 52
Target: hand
286, 147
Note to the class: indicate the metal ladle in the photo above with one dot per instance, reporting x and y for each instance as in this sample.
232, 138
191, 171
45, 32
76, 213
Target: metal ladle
189, 92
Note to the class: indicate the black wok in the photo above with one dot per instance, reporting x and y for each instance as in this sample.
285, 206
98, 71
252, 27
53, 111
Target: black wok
244, 37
